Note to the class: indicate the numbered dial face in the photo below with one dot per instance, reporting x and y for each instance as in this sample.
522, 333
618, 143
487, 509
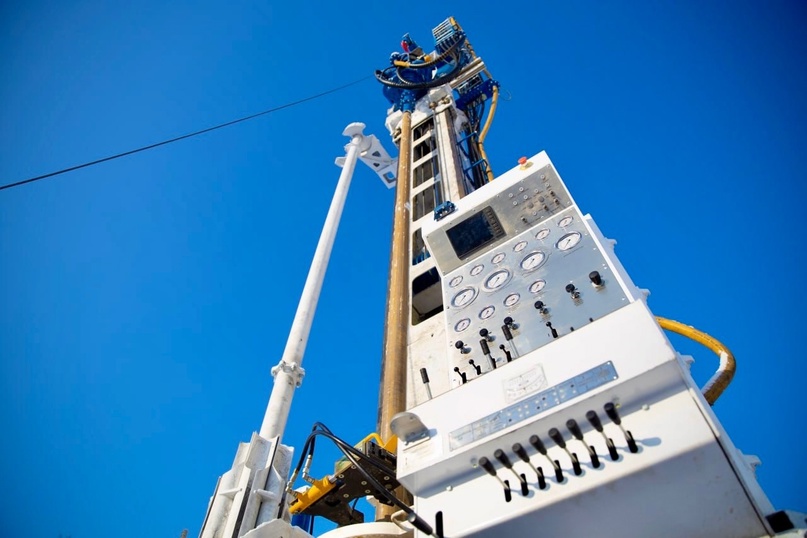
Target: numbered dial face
486, 312
497, 279
464, 297
533, 260
537, 286
568, 241
521, 245
498, 258
565, 221
543, 234
462, 324
477, 269
454, 282
511, 299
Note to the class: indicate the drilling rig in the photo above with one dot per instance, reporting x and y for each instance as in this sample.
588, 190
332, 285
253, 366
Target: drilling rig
527, 388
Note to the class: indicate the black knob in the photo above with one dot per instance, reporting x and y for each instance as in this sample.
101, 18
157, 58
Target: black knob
595, 278
520, 452
487, 466
459, 344
556, 436
485, 334
570, 288
539, 305
610, 410
424, 375
508, 321
536, 443
484, 345
477, 368
463, 377
575, 429
594, 420
502, 457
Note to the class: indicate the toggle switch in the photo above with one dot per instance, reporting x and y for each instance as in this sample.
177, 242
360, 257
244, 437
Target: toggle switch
610, 410
572, 290
484, 333
594, 420
521, 453
463, 377
475, 366
459, 344
506, 352
536, 443
573, 427
556, 436
540, 307
491, 470
424, 375
552, 329
504, 460
486, 350
595, 278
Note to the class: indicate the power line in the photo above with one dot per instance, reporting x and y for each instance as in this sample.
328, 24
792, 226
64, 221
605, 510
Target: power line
178, 138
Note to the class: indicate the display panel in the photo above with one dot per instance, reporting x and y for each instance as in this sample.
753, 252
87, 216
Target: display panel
475, 232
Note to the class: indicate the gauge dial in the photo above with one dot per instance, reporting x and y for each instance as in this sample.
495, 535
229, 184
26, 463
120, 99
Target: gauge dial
477, 269
486, 312
533, 261
537, 286
498, 258
464, 297
568, 241
565, 221
511, 299
462, 324
497, 279
542, 234
521, 245
454, 282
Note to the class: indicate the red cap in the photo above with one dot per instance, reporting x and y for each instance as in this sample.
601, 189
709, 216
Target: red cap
522, 160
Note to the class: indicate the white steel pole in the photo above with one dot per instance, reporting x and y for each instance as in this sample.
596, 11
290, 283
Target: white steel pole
288, 373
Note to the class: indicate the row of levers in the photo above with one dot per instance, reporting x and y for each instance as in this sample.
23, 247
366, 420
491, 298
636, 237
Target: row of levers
543, 397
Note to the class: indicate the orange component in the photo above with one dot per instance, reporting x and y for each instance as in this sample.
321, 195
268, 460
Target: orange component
522, 161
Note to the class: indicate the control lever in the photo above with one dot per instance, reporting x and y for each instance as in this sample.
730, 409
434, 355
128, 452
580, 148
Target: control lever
476, 367
463, 377
594, 420
556, 436
424, 375
551, 328
535, 441
540, 307
506, 352
572, 290
506, 328
491, 470
521, 453
486, 350
610, 410
459, 344
578, 434
504, 460
484, 333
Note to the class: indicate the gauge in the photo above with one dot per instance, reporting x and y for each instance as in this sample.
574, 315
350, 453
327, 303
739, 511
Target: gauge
533, 261
464, 297
537, 286
486, 312
521, 245
477, 269
498, 258
455, 281
568, 241
497, 279
462, 324
542, 234
511, 299
565, 221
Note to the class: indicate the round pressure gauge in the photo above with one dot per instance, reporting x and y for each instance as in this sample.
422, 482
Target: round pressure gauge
533, 260
464, 297
497, 279
498, 258
476, 269
565, 221
568, 241
537, 286
511, 299
454, 282
462, 324
521, 245
542, 234
486, 312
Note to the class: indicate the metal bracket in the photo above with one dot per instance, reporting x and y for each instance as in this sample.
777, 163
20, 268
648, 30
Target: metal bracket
296, 372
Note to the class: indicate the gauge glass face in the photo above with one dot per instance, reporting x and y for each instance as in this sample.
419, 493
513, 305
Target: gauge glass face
521, 245
533, 261
511, 299
498, 258
565, 221
462, 324
497, 279
542, 234
464, 297
537, 286
477, 269
568, 241
486, 312
454, 282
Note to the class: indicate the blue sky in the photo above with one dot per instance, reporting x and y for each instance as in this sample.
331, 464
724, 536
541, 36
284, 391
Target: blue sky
143, 301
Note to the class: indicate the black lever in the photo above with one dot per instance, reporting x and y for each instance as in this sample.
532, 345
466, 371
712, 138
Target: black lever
506, 352
484, 333
508, 335
504, 460
463, 377
424, 375
540, 307
594, 420
521, 453
476, 367
486, 351
536, 443
578, 434
551, 328
491, 470
556, 436
610, 410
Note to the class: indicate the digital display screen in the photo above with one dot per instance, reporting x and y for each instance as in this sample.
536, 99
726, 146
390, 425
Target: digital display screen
475, 232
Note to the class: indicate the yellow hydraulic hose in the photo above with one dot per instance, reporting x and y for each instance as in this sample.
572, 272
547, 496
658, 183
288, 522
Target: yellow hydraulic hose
725, 372
488, 121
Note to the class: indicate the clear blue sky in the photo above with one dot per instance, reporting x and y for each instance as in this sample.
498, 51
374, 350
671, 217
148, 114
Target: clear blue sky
143, 301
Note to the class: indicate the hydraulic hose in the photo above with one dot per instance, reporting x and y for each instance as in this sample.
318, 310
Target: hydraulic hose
407, 85
429, 63
488, 121
728, 366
